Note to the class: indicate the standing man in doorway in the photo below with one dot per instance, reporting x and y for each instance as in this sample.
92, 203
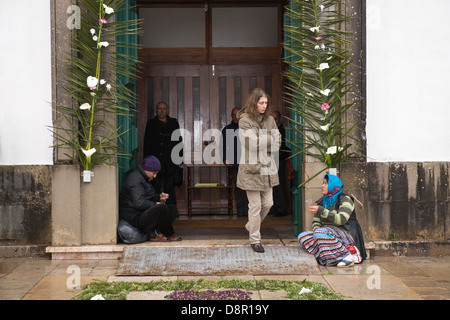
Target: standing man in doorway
231, 155
158, 143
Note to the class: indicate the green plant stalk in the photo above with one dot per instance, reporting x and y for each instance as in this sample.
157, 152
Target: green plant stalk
329, 136
102, 15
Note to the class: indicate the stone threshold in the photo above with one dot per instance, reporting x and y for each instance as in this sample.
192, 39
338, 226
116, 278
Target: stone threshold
114, 251
88, 252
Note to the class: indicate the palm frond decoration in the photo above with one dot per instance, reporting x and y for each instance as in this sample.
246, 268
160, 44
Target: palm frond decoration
91, 78
318, 80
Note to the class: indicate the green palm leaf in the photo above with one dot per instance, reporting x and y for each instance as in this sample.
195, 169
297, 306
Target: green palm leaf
77, 129
314, 42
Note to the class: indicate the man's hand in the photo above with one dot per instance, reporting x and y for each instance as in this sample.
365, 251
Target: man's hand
163, 197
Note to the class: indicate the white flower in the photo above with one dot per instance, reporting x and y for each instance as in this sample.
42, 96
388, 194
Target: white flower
102, 81
321, 7
325, 92
333, 150
314, 29
305, 290
95, 38
89, 152
108, 10
92, 82
104, 44
92, 31
323, 66
326, 127
108, 87
322, 46
98, 297
85, 106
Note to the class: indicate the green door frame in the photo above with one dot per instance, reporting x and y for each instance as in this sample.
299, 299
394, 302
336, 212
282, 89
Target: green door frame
296, 161
127, 125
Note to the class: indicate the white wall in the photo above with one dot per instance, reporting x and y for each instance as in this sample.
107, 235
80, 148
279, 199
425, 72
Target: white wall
408, 80
25, 83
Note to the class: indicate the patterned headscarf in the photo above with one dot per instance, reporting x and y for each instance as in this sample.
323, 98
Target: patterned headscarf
335, 187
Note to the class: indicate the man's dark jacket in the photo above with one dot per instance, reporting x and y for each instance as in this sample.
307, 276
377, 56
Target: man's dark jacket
158, 143
137, 194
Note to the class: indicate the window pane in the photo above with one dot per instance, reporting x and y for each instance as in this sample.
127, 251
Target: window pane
245, 27
173, 27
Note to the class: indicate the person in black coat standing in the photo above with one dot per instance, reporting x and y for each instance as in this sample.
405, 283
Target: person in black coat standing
231, 154
158, 142
142, 207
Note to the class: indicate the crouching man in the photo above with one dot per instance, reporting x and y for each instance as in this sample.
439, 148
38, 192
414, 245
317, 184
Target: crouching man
141, 207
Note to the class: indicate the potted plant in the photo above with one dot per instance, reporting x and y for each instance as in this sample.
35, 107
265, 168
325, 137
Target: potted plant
85, 128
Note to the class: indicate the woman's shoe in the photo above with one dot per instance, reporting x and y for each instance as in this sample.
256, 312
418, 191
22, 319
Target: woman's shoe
257, 247
346, 262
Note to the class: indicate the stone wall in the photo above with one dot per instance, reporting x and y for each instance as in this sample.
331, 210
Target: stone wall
400, 201
25, 205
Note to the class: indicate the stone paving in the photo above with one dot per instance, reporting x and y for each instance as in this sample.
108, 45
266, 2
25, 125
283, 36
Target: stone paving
380, 278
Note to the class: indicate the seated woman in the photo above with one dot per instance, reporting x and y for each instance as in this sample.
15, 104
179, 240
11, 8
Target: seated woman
336, 237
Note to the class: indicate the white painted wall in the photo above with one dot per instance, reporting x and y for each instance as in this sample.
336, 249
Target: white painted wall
408, 80
25, 83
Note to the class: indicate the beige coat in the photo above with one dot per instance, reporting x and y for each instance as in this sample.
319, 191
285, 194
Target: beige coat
260, 143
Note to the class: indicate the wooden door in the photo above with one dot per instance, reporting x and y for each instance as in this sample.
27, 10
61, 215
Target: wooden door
203, 79
201, 97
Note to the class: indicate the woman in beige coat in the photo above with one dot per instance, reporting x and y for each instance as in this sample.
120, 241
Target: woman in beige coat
258, 173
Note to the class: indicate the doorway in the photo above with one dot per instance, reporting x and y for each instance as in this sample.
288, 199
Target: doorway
204, 60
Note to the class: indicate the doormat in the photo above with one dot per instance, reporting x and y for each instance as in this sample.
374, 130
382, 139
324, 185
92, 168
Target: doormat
150, 261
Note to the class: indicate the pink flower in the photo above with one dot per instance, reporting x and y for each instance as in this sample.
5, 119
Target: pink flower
103, 21
325, 106
318, 38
